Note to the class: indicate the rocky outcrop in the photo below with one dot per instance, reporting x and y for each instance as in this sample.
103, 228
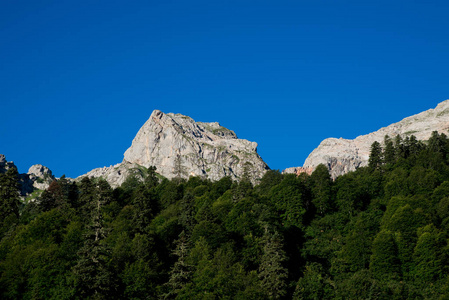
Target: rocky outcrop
298, 170
38, 177
342, 156
178, 146
4, 164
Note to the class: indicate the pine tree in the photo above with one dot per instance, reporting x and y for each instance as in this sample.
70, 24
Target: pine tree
272, 273
414, 145
9, 194
437, 142
375, 157
52, 197
187, 216
181, 272
389, 152
321, 189
151, 180
242, 189
93, 279
87, 191
9, 200
399, 147
179, 169
145, 204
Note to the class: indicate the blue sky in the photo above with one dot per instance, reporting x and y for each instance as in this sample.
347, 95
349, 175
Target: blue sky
79, 78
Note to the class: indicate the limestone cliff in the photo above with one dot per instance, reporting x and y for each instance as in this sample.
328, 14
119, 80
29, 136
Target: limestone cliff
342, 156
178, 146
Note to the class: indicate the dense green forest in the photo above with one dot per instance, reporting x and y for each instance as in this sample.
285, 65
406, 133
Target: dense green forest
378, 233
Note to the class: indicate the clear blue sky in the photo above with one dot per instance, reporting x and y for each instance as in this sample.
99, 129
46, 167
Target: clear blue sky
79, 78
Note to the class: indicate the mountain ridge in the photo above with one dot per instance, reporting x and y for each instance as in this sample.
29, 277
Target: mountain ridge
341, 156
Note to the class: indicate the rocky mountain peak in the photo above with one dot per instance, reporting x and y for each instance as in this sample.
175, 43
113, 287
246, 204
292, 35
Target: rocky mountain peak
40, 171
199, 148
343, 155
177, 145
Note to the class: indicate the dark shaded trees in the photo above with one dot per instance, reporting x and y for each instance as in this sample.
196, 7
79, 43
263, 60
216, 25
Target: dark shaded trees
92, 275
9, 193
376, 156
321, 183
384, 262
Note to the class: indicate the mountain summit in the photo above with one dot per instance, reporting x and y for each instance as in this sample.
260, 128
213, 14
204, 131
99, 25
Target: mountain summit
180, 147
341, 156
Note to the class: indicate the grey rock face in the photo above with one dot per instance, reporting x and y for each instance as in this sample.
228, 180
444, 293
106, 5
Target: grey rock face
40, 176
178, 146
297, 170
4, 164
116, 175
342, 156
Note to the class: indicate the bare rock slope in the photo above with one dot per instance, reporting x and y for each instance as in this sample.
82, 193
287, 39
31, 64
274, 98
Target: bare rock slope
178, 146
342, 156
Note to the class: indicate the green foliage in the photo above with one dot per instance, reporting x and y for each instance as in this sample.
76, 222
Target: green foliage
9, 200
321, 189
375, 158
430, 256
181, 272
380, 232
314, 284
384, 262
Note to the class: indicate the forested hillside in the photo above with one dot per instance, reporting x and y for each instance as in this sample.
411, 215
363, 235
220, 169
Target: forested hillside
380, 232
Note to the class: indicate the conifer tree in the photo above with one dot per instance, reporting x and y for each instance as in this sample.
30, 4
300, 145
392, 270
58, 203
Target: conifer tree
9, 200
151, 180
186, 218
321, 189
93, 279
375, 157
87, 191
414, 145
437, 142
389, 152
9, 194
272, 273
52, 197
179, 169
399, 147
181, 272
145, 203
